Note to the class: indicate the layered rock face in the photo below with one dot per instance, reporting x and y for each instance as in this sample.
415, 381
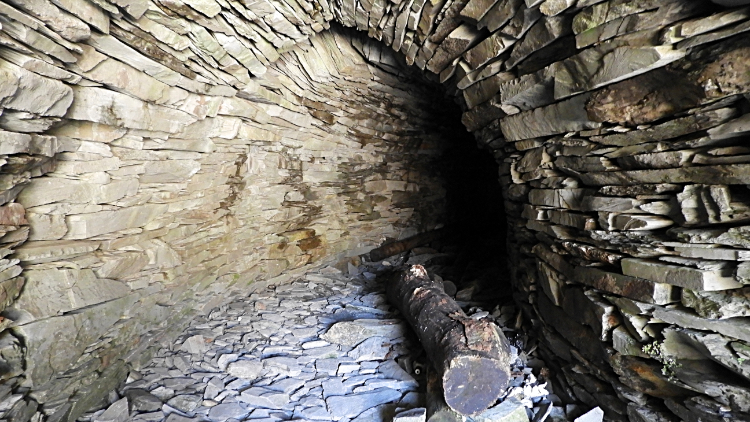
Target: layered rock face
136, 197
157, 156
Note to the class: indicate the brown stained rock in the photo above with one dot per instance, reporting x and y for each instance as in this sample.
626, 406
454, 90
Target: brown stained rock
645, 376
13, 215
645, 98
707, 74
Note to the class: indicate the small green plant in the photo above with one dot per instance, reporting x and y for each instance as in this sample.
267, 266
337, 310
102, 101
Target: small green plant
669, 364
741, 360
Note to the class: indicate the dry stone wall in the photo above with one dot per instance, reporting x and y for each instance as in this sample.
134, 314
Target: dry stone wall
136, 196
154, 151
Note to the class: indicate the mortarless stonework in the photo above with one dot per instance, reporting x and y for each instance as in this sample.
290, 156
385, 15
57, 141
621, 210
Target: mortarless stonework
157, 154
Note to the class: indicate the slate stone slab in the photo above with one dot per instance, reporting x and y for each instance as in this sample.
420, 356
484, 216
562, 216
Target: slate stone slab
352, 406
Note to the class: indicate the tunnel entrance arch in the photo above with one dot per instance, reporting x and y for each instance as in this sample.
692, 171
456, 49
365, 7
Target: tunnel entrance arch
150, 136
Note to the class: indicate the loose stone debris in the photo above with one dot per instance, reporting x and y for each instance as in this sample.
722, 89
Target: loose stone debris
326, 347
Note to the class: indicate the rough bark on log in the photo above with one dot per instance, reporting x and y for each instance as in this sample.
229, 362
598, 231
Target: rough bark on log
394, 248
471, 356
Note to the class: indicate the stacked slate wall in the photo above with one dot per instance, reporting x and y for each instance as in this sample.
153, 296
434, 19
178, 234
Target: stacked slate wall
157, 152
136, 196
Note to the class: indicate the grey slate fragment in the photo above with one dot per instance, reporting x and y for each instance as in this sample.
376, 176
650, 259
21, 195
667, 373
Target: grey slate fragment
222, 412
351, 406
142, 400
117, 412
351, 333
594, 415
510, 410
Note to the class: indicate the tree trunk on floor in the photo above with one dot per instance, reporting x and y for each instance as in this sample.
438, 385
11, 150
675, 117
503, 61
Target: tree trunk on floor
395, 248
437, 409
471, 356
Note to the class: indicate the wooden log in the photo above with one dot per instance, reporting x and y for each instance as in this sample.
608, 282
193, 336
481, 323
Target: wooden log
404, 245
437, 409
471, 356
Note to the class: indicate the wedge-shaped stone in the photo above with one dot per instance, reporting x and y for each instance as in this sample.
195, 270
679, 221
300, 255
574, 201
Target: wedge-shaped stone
488, 49
732, 327
596, 67
50, 292
734, 128
631, 287
691, 278
453, 46
566, 116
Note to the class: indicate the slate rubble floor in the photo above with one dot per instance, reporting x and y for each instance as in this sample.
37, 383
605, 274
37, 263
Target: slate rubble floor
274, 356
261, 358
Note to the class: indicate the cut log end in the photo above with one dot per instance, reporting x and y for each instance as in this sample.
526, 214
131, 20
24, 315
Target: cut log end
473, 383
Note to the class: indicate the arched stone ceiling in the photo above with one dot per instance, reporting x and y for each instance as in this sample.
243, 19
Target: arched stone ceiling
159, 156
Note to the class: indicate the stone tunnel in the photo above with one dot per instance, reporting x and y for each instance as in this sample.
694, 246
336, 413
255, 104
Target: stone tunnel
159, 158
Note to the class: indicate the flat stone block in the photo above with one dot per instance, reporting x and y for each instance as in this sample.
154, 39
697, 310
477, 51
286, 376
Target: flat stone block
691, 278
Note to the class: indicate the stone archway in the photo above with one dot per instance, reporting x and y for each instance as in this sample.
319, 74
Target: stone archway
159, 154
